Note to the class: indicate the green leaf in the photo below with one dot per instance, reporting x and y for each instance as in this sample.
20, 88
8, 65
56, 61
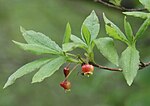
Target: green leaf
76, 39
92, 23
71, 46
146, 3
138, 14
129, 62
143, 28
37, 49
33, 37
115, 2
86, 35
28, 68
118, 2
128, 30
67, 33
107, 48
113, 31
48, 69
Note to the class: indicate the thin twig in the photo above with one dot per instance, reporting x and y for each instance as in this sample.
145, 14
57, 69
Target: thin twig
141, 66
68, 65
119, 7
80, 58
105, 67
147, 64
71, 72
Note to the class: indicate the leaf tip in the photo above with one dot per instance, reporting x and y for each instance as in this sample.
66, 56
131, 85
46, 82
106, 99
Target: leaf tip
68, 23
93, 12
124, 12
4, 86
22, 29
7, 84
15, 42
129, 82
140, 1
104, 17
125, 17
10, 81
68, 26
103, 14
35, 81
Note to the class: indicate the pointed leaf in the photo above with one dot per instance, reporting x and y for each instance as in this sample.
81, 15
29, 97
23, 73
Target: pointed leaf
76, 39
48, 69
67, 33
86, 35
33, 37
146, 3
143, 28
128, 30
71, 46
107, 48
138, 14
113, 31
37, 49
129, 62
28, 68
115, 2
92, 23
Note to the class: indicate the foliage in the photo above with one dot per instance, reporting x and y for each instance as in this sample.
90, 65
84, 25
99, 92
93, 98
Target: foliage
39, 43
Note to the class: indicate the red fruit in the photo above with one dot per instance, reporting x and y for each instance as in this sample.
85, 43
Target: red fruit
66, 71
66, 85
87, 69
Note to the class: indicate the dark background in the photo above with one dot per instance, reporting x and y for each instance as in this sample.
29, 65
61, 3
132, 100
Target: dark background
104, 88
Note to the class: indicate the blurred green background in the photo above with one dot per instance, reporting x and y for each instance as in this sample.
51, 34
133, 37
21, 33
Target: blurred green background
104, 88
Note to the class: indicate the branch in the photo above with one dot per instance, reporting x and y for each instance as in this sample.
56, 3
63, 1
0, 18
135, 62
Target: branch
105, 67
141, 66
119, 7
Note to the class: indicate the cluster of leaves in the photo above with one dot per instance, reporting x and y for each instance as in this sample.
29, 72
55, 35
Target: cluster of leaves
39, 43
